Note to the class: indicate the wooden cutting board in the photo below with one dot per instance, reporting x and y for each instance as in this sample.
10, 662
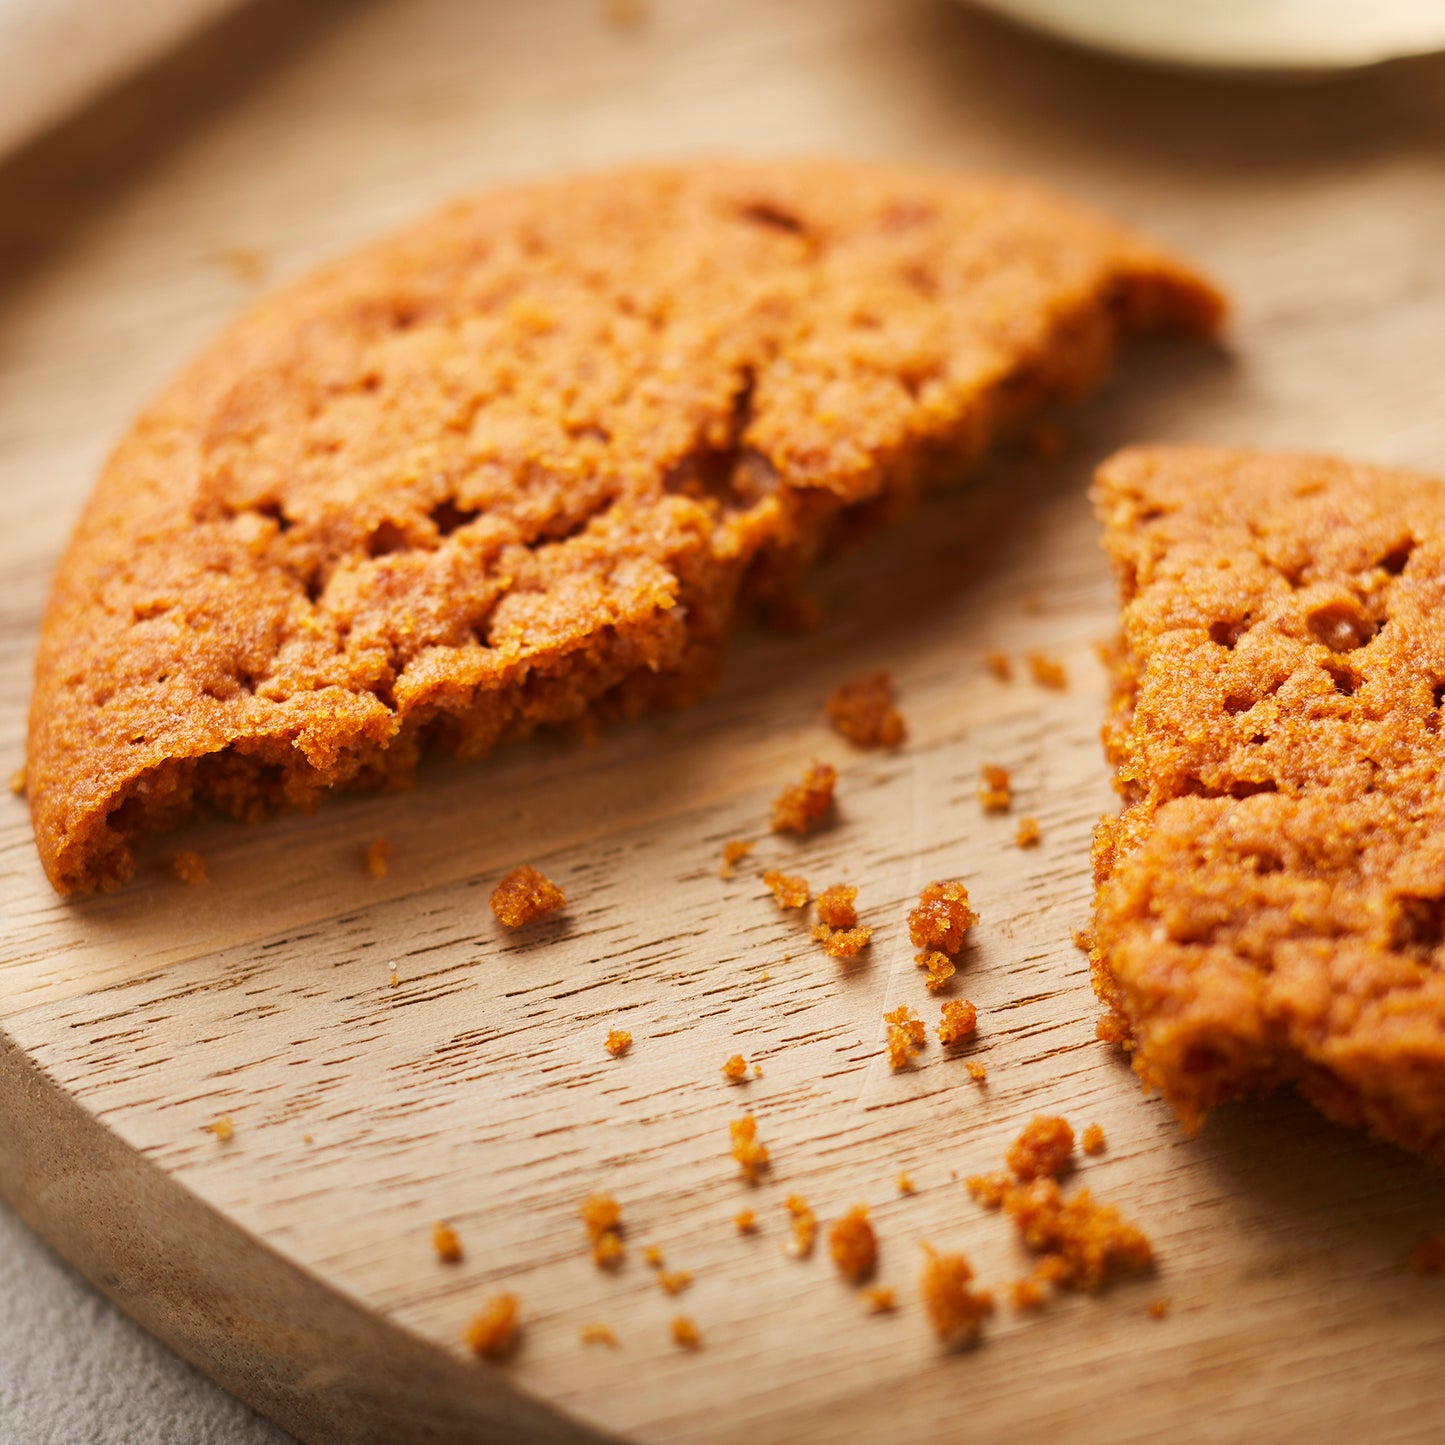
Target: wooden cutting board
294, 1263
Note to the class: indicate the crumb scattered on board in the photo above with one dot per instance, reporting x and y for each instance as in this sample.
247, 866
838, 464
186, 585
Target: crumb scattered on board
378, 857
222, 1128
189, 867
805, 1227
977, 1072
1158, 1309
746, 1221
905, 1182
1090, 1241
685, 1333
843, 942
495, 1328
524, 896
940, 968
995, 788
618, 1042
1047, 671
598, 1335
958, 1022
1093, 1140
736, 1068
789, 890
835, 908
853, 1245
674, 1281
733, 853
880, 1300
602, 1216
956, 1310
447, 1243
1027, 834
752, 1157
17, 780
863, 711
803, 807
906, 1035
942, 917
999, 664
1045, 1147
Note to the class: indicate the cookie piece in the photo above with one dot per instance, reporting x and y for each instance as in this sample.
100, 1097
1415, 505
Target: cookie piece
1271, 900
518, 465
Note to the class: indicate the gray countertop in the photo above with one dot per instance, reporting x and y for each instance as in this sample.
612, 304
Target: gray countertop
75, 1371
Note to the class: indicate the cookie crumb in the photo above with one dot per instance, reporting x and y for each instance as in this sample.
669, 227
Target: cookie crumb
447, 1243
1088, 1241
880, 1300
494, 1330
942, 917
806, 806
805, 1227
685, 1333
746, 1221
843, 942
602, 1216
835, 906
995, 788
394, 978
1027, 834
1045, 1147
906, 1035
1047, 671
524, 896
618, 1042
955, 1309
757, 1071
999, 664
1428, 1257
989, 1189
598, 1335
190, 867
1093, 1140
674, 1281
736, 1068
377, 857
17, 781
1158, 1309
733, 853
958, 1022
905, 1182
751, 1156
222, 1128
977, 1072
790, 890
863, 711
940, 968
1027, 1294
853, 1245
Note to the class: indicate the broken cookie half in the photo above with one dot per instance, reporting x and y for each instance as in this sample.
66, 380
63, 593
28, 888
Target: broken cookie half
1271, 899
518, 466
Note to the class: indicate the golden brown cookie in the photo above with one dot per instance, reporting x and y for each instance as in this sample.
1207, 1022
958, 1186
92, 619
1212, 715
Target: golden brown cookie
516, 466
1271, 904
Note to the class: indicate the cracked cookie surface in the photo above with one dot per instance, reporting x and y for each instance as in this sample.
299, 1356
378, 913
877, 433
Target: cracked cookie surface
1271, 901
518, 465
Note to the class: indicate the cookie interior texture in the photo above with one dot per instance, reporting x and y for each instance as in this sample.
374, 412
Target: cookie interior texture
1271, 903
518, 465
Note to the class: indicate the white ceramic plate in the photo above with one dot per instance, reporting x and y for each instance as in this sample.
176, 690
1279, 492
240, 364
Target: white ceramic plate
1241, 35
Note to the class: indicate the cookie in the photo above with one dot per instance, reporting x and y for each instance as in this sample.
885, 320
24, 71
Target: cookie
1271, 900
518, 466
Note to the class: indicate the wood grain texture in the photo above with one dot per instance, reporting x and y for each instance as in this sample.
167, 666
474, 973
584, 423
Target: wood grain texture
301, 1274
